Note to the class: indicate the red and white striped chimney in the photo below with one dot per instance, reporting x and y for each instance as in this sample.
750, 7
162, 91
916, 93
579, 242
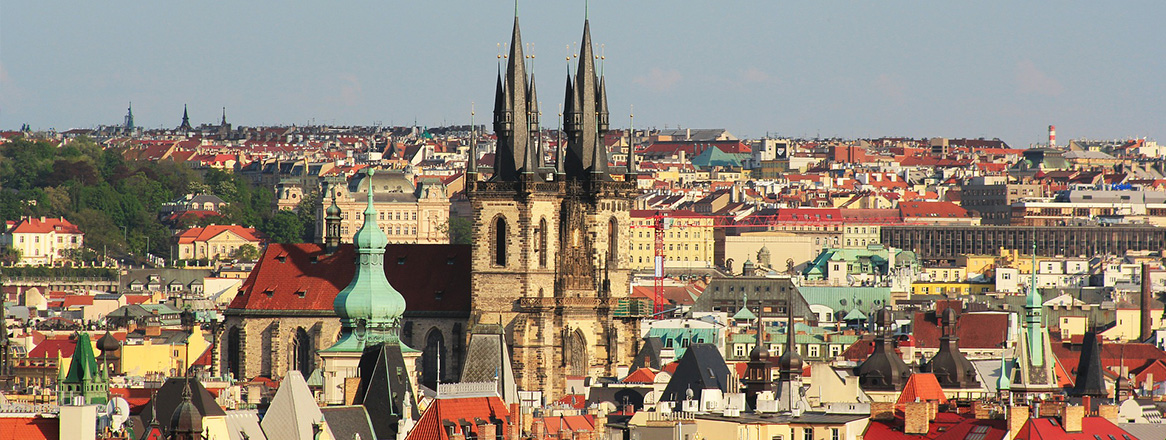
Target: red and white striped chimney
1052, 135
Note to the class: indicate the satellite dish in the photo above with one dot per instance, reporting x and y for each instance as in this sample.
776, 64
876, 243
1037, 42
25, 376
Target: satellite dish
119, 411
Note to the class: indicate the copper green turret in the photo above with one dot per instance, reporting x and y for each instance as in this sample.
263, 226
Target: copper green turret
83, 378
1034, 324
369, 308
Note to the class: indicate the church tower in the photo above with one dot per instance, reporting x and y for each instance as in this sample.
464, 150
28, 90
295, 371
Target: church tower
1033, 374
550, 254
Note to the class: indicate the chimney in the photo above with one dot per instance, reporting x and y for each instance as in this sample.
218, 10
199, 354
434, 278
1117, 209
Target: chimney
537, 429
882, 411
515, 423
1087, 403
1145, 304
1071, 416
487, 431
1108, 412
1052, 135
915, 418
688, 134
1017, 416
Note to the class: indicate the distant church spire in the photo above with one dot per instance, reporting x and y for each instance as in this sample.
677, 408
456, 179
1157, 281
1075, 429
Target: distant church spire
224, 121
185, 119
129, 123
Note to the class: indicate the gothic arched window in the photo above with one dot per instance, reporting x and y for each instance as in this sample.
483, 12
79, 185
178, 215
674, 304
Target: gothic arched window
303, 353
234, 350
612, 240
500, 241
433, 358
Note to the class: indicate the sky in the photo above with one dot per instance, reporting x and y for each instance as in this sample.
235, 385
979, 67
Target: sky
831, 68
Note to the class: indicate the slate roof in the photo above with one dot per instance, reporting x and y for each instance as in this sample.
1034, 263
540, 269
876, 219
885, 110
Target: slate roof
701, 367
488, 360
293, 410
285, 269
169, 396
346, 422
649, 354
244, 421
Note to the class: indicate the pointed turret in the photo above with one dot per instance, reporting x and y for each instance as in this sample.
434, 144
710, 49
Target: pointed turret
511, 117
1090, 373
758, 371
531, 162
186, 422
129, 123
586, 118
332, 225
185, 119
791, 362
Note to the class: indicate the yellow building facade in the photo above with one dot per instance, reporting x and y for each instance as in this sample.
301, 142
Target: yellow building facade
688, 239
950, 288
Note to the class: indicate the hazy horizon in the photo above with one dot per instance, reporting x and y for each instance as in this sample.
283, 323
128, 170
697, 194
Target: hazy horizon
820, 69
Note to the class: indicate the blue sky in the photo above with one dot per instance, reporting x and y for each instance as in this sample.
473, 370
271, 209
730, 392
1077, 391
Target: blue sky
794, 68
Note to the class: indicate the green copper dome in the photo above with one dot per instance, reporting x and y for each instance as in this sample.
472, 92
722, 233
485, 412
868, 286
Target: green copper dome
370, 308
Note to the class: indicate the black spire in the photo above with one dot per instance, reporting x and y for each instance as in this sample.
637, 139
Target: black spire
586, 118
791, 362
224, 121
129, 123
1090, 373
511, 119
185, 119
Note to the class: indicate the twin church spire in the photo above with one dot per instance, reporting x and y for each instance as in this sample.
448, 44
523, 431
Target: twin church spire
516, 119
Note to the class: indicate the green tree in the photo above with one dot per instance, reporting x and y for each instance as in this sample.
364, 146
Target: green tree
461, 230
283, 227
247, 252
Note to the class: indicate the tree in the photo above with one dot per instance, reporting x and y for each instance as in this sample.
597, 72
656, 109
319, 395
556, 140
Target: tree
461, 230
247, 252
283, 227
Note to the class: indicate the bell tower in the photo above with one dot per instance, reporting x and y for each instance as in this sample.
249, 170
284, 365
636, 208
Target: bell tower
550, 253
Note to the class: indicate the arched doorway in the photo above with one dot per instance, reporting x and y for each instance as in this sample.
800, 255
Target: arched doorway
575, 353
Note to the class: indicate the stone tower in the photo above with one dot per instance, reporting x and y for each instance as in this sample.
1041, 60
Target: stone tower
550, 254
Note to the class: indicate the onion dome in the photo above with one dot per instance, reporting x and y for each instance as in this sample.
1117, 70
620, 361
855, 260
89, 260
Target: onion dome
186, 418
108, 343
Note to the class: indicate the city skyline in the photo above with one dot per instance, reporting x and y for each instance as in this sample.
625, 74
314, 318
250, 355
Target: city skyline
847, 70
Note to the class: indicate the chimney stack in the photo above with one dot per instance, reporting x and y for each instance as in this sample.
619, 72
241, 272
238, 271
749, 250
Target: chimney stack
916, 418
1146, 319
1017, 416
1071, 416
1052, 135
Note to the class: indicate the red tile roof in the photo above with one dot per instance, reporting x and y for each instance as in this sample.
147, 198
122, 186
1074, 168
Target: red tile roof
922, 209
642, 375
921, 387
576, 401
49, 348
975, 330
29, 428
45, 225
430, 426
945, 426
203, 234
572, 423
285, 269
1047, 428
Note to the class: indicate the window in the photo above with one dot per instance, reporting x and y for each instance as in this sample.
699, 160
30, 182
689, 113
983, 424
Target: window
808, 433
814, 350
835, 434
500, 241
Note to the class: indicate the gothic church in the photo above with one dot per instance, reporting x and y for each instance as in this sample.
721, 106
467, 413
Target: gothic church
550, 253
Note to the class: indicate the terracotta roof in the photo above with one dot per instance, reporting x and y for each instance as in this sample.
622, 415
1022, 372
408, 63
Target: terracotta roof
45, 225
431, 424
576, 401
1091, 428
49, 348
571, 423
29, 428
924, 209
642, 375
945, 426
203, 234
284, 270
975, 330
921, 387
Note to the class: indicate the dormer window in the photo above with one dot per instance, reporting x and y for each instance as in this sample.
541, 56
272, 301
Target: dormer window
301, 293
269, 292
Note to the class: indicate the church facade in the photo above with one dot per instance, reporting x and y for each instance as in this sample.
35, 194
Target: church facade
550, 244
